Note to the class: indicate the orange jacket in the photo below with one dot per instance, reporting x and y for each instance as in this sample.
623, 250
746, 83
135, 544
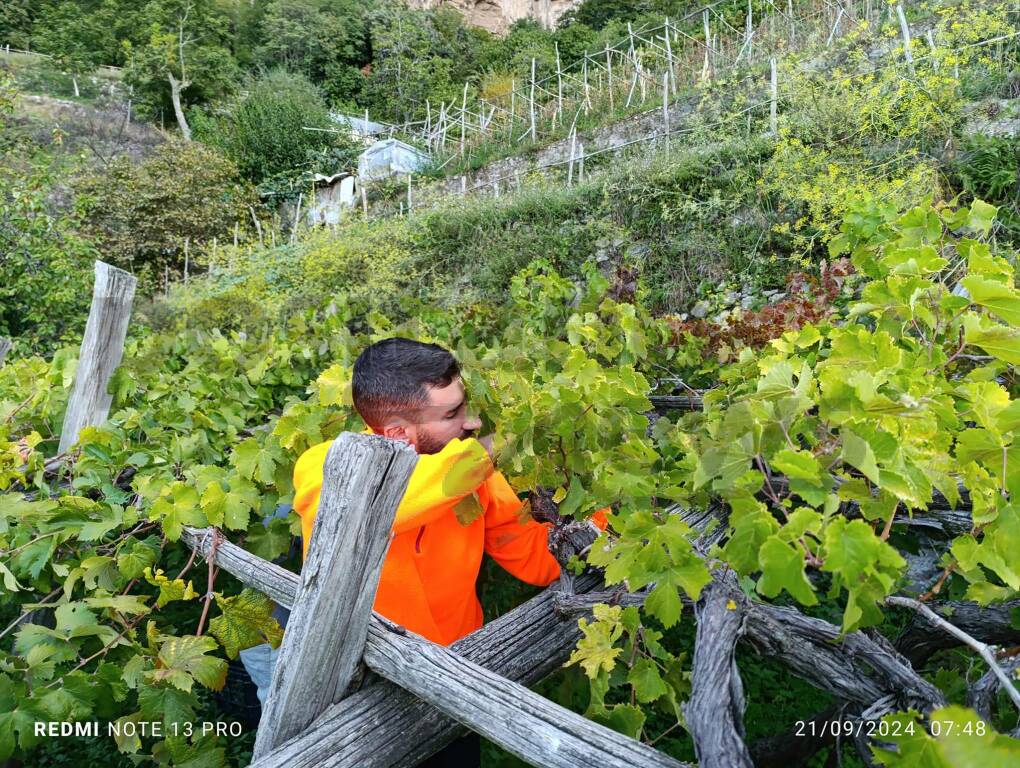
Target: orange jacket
428, 577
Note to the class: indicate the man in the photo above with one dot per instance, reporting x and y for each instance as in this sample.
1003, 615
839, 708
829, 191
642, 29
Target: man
456, 508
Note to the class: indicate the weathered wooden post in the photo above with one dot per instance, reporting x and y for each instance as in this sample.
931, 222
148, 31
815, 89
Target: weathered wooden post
905, 31
5, 347
773, 104
531, 100
365, 477
101, 350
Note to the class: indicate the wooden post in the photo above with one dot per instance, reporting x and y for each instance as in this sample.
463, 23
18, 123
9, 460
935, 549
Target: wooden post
584, 68
573, 150
365, 477
513, 107
559, 85
101, 350
609, 70
297, 217
364, 197
580, 162
773, 118
835, 26
905, 31
187, 240
532, 101
669, 60
5, 347
665, 110
708, 42
463, 119
463, 184
793, 28
930, 36
408, 193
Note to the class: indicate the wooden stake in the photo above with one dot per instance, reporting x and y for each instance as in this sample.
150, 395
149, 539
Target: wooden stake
463, 118
609, 70
532, 102
513, 107
408, 193
364, 197
669, 60
102, 348
905, 30
773, 118
665, 109
186, 241
573, 151
559, 85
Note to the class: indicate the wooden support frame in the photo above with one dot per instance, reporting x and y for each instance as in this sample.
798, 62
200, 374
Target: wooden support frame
365, 477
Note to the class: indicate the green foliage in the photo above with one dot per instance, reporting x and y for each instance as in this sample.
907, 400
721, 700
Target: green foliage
45, 272
278, 128
325, 41
145, 215
183, 60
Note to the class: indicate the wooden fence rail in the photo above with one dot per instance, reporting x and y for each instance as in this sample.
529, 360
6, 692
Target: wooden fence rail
365, 477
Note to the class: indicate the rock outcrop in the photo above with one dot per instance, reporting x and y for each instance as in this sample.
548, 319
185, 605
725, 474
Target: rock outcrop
497, 15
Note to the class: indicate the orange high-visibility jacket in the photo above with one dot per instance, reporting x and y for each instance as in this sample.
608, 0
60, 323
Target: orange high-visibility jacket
428, 577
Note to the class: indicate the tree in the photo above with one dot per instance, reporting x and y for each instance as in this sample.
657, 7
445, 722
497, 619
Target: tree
185, 53
265, 132
326, 40
146, 216
70, 35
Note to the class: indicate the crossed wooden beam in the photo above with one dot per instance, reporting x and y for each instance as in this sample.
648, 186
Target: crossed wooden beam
312, 715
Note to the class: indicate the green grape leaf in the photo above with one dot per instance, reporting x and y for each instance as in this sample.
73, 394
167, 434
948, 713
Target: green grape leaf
246, 621
857, 453
1000, 341
995, 296
269, 542
664, 603
254, 462
622, 718
169, 590
182, 659
647, 682
782, 567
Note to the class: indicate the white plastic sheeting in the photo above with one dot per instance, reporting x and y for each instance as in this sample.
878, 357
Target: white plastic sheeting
390, 157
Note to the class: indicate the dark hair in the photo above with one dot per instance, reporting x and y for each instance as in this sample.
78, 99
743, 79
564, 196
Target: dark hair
392, 375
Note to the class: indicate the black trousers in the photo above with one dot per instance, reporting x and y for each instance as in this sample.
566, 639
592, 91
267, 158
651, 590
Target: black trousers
465, 752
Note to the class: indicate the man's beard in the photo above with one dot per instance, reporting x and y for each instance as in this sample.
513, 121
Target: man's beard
427, 444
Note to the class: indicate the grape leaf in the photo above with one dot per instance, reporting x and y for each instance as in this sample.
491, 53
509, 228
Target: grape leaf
246, 621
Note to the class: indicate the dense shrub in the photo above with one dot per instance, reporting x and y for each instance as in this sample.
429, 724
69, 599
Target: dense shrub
145, 216
277, 127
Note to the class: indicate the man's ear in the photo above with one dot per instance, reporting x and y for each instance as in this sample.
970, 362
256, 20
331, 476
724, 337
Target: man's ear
397, 431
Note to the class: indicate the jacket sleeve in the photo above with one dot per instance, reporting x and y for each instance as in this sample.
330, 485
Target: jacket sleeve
520, 548
438, 482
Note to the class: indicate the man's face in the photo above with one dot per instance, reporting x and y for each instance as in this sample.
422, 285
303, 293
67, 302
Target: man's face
443, 418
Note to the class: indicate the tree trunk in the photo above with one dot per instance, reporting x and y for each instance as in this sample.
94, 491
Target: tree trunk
176, 86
